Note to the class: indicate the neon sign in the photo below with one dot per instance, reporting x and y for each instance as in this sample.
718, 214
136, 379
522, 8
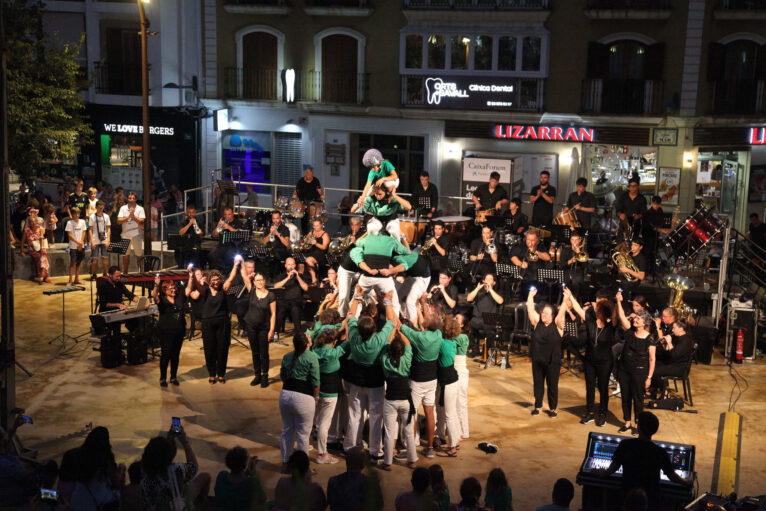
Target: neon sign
551, 133
479, 92
138, 129
757, 136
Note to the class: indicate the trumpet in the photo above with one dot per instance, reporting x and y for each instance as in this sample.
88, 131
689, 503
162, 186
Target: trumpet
197, 229
491, 248
532, 256
427, 246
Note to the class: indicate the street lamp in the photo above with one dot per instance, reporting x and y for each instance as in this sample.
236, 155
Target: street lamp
145, 144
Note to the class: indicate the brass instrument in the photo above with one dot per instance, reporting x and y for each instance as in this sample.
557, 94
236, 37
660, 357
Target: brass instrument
581, 256
532, 256
621, 257
340, 245
627, 229
541, 233
308, 242
679, 284
491, 248
427, 246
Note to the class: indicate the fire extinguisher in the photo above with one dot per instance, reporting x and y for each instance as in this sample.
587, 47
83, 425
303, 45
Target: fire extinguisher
740, 347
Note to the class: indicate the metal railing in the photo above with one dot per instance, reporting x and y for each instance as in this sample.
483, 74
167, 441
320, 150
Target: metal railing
250, 83
310, 86
622, 96
337, 3
738, 97
741, 5
630, 4
477, 4
528, 93
116, 79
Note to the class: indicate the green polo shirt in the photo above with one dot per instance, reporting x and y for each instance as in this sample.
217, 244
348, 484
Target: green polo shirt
385, 170
367, 352
381, 208
313, 332
405, 362
462, 342
427, 345
306, 368
407, 260
447, 353
329, 361
378, 244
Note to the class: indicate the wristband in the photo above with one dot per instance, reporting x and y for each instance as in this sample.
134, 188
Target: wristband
387, 303
357, 297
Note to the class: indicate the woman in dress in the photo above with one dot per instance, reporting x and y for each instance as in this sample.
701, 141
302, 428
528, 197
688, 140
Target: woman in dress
260, 321
315, 257
216, 325
34, 242
636, 363
171, 327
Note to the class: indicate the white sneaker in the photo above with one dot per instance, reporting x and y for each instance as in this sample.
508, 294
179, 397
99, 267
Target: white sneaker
327, 460
616, 391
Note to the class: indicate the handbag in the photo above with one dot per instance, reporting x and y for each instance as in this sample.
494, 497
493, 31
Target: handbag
177, 503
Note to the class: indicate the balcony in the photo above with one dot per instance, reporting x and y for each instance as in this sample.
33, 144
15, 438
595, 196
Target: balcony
738, 97
528, 95
628, 9
477, 4
740, 10
353, 8
310, 86
622, 96
265, 7
116, 79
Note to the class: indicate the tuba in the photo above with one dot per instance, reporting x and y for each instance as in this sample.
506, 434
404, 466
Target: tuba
678, 284
621, 257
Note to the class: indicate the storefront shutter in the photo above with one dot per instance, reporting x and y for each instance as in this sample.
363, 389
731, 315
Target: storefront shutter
286, 165
760, 64
715, 62
655, 62
598, 60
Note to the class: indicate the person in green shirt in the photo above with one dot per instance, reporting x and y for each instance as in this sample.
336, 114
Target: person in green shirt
499, 496
383, 204
328, 349
447, 416
459, 335
382, 173
328, 318
300, 378
396, 359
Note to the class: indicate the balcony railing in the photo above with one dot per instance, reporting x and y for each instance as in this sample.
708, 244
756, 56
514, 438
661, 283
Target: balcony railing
310, 86
622, 96
741, 5
337, 3
477, 4
629, 4
116, 79
528, 95
738, 97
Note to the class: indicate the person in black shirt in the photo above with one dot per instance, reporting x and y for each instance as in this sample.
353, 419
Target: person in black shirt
583, 202
278, 240
222, 257
638, 275
482, 261
630, 208
654, 224
598, 338
521, 256
426, 190
484, 299
192, 234
757, 231
438, 252
260, 321
674, 353
545, 350
636, 362
542, 197
216, 325
516, 222
490, 195
316, 256
444, 294
574, 271
171, 327
641, 461
294, 284
111, 291
308, 190
78, 199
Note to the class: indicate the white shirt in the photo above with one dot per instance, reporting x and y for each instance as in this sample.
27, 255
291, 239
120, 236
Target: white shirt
78, 232
130, 228
99, 224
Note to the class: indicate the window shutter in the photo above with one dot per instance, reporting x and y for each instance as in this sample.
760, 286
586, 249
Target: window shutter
286, 167
598, 60
760, 63
655, 62
715, 62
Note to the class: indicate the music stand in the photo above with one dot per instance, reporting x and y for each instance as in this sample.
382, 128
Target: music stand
62, 337
501, 323
119, 247
560, 233
255, 251
570, 332
508, 272
180, 242
550, 277
235, 237
227, 187
299, 257
330, 260
455, 262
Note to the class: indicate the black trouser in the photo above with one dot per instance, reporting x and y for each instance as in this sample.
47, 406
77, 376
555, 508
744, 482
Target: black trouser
170, 351
477, 331
543, 374
259, 347
632, 388
616, 352
662, 370
216, 338
597, 376
293, 307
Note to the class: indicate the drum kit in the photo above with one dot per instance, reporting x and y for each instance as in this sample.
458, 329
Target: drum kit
567, 217
296, 208
413, 229
695, 233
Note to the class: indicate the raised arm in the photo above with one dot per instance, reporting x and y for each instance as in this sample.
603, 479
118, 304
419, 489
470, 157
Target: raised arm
404, 203
575, 304
233, 273
472, 295
561, 317
624, 321
246, 278
534, 317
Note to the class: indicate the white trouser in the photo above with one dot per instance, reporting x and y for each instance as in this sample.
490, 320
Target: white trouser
380, 285
324, 413
390, 184
297, 411
359, 399
446, 416
409, 293
395, 414
346, 281
462, 394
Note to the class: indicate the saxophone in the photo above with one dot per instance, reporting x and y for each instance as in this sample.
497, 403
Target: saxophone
621, 257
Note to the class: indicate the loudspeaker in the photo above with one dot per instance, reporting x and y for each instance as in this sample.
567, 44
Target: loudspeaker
111, 351
747, 319
137, 350
705, 338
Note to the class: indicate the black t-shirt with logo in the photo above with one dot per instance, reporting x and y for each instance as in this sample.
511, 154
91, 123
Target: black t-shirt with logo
79, 201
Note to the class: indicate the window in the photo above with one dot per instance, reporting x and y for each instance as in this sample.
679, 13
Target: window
459, 52
436, 51
339, 69
530, 57
482, 59
506, 53
259, 66
414, 52
737, 71
627, 59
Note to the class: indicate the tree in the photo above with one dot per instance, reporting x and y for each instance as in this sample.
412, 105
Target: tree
45, 108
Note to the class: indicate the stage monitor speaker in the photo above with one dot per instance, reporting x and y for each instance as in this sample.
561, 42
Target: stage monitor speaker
705, 338
111, 351
746, 319
137, 350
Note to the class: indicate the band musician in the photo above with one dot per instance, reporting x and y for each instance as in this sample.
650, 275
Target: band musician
308, 190
542, 197
582, 202
516, 222
192, 234
490, 195
439, 248
637, 275
630, 208
426, 190
277, 241
575, 269
111, 292
484, 253
222, 257
529, 257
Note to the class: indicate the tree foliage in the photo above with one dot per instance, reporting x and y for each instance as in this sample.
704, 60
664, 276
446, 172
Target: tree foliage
45, 109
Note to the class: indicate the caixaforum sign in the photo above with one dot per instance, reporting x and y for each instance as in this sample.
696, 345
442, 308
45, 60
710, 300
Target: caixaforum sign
470, 92
546, 133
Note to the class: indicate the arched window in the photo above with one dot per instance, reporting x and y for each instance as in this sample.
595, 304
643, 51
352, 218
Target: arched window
737, 71
339, 54
260, 58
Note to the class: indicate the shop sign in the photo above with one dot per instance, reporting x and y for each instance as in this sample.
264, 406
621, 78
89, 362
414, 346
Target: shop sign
757, 136
476, 172
469, 92
138, 129
552, 133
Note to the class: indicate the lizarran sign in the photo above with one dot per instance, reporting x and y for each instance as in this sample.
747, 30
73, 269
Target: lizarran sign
470, 92
545, 133
757, 136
